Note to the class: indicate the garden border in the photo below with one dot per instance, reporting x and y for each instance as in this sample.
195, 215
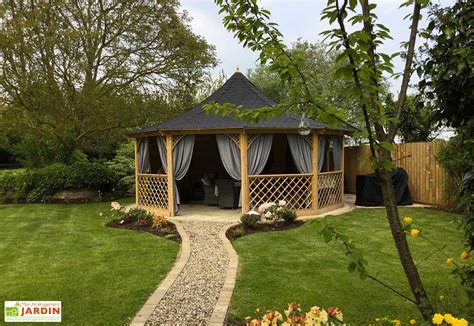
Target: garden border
222, 305
183, 256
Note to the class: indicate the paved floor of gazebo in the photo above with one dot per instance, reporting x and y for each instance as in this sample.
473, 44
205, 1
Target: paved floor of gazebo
199, 212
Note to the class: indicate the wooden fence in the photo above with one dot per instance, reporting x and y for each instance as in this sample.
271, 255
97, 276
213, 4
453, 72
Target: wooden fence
426, 179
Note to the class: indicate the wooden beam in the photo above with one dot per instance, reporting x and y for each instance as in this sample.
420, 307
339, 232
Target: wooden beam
136, 172
314, 184
244, 174
169, 160
341, 167
235, 131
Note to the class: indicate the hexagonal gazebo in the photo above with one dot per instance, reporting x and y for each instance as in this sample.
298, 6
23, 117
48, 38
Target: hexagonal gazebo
215, 160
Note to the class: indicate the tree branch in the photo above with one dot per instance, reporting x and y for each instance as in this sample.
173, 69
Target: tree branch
407, 71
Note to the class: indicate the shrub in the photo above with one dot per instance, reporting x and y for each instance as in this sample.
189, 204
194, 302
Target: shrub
273, 212
249, 220
123, 164
138, 214
287, 215
40, 184
451, 158
158, 221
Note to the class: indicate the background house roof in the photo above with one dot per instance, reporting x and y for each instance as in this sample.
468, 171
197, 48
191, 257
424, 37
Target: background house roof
237, 90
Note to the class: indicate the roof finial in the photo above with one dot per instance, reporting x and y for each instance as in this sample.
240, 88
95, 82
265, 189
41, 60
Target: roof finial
237, 69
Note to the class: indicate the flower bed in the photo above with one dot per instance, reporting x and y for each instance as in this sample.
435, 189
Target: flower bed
294, 316
269, 217
141, 220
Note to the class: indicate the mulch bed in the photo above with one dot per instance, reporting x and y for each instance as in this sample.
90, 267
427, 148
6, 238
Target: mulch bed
238, 231
167, 231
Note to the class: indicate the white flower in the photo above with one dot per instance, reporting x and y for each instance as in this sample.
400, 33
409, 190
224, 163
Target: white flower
115, 205
268, 214
101, 214
252, 212
282, 203
121, 222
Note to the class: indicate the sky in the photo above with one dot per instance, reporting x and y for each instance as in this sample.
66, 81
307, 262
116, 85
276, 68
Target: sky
296, 19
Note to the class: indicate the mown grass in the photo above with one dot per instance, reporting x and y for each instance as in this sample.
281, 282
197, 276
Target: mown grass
64, 252
296, 265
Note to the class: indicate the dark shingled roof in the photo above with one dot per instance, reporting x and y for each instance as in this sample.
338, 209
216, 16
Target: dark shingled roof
237, 90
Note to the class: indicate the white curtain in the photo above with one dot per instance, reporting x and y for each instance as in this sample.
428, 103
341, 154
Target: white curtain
182, 155
336, 152
257, 155
301, 151
143, 155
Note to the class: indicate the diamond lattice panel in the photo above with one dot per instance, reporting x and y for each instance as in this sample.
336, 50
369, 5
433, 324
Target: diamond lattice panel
295, 190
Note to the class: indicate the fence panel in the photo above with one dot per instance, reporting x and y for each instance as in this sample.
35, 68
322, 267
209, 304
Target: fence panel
329, 189
295, 189
426, 179
153, 190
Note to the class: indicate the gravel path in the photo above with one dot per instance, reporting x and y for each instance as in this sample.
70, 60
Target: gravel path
193, 295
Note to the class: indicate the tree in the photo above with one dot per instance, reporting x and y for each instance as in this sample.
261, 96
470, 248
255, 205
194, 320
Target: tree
419, 122
446, 68
84, 71
319, 67
363, 65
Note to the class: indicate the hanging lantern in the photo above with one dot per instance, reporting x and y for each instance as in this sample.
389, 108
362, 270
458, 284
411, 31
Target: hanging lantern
304, 127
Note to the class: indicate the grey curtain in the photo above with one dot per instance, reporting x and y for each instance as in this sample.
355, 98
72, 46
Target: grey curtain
143, 155
301, 151
258, 153
182, 155
257, 157
230, 155
336, 152
321, 152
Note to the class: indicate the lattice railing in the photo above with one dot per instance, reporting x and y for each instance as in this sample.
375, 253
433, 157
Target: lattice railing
153, 190
295, 189
330, 189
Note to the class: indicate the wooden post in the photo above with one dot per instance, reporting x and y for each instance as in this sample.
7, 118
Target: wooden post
342, 168
169, 160
136, 172
244, 175
314, 184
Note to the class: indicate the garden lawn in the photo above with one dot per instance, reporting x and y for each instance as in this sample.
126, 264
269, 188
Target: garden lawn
297, 265
64, 252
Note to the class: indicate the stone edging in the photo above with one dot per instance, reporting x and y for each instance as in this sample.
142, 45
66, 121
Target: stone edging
183, 256
222, 304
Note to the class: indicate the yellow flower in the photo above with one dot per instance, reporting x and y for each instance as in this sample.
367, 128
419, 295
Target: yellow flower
441, 297
248, 318
397, 322
461, 322
257, 310
412, 322
407, 220
449, 318
464, 255
449, 261
437, 319
414, 232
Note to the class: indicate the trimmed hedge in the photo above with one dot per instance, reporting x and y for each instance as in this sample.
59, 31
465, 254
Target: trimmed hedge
40, 184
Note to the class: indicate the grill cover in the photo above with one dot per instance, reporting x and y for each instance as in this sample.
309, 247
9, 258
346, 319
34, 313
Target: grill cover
369, 193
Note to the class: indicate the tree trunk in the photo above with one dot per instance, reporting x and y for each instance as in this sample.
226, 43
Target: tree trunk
409, 267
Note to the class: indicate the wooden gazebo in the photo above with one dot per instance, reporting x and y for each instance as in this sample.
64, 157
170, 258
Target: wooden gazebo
310, 180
